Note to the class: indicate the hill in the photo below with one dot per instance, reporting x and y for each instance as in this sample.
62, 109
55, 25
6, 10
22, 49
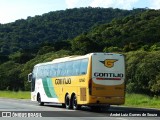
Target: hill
54, 26
134, 32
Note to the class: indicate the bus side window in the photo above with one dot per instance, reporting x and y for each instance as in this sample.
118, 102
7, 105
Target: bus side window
58, 69
49, 71
76, 67
34, 73
63, 70
40, 72
46, 71
69, 67
83, 66
54, 68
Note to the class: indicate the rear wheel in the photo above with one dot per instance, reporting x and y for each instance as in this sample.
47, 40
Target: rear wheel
67, 102
63, 105
74, 103
39, 100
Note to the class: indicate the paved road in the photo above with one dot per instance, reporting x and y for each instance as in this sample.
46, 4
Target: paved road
25, 108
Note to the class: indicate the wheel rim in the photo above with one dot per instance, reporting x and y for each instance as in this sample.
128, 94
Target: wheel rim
39, 99
67, 102
74, 102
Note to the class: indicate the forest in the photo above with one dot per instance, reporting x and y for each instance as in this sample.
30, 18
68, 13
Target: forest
134, 33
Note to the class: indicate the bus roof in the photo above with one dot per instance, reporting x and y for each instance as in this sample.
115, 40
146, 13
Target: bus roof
75, 57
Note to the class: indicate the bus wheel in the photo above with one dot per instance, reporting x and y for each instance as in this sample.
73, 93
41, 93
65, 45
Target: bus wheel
39, 100
67, 102
63, 105
74, 103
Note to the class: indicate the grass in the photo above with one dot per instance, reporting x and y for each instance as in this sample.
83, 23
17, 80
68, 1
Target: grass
139, 100
132, 100
16, 95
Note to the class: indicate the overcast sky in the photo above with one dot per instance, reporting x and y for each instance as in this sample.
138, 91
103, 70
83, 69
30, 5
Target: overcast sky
11, 10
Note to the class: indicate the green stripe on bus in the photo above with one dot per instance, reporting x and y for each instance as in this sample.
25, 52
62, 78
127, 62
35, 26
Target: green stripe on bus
48, 88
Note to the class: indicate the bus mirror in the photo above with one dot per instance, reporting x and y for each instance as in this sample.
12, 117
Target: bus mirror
29, 77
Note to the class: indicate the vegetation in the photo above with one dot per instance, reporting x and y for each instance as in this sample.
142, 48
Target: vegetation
139, 100
16, 95
143, 72
54, 26
131, 33
135, 33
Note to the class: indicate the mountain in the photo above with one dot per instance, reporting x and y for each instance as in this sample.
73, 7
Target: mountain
133, 32
54, 26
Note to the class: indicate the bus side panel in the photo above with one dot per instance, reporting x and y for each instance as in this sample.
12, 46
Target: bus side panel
71, 85
77, 85
46, 90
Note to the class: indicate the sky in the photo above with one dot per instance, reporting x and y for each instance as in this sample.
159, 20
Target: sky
11, 10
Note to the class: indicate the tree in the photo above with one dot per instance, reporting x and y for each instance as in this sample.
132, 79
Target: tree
82, 45
143, 72
9, 73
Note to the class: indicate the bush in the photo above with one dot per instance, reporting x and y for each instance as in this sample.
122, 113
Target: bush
143, 70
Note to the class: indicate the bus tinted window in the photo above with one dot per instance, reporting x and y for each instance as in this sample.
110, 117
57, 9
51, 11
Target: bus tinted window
40, 72
71, 68
76, 67
83, 67
61, 69
53, 71
48, 69
34, 72
45, 71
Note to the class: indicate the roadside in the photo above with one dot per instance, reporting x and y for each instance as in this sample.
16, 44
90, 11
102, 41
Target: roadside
132, 100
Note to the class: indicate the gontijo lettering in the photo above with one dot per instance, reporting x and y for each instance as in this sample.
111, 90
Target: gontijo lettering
96, 74
63, 81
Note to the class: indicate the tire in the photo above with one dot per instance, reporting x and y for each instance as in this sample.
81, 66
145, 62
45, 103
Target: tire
95, 108
75, 106
63, 105
67, 102
39, 100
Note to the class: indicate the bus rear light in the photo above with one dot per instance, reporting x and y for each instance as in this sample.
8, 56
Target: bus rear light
108, 78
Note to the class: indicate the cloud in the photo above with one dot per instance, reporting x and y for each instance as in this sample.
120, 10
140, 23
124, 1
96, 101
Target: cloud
77, 3
102, 3
71, 3
155, 4
123, 4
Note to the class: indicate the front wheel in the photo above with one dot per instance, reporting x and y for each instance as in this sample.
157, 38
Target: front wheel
39, 100
74, 103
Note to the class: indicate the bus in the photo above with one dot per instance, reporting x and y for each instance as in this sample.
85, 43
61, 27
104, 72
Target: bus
95, 79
